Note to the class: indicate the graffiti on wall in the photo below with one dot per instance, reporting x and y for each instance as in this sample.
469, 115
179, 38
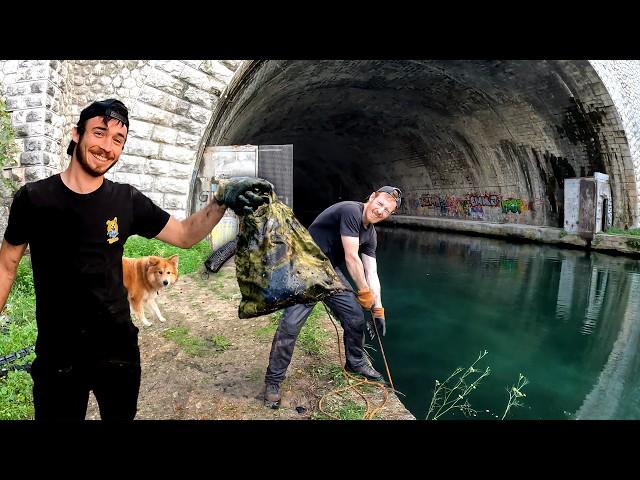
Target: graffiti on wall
513, 205
476, 206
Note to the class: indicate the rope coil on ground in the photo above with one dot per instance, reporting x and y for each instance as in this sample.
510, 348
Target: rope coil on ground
370, 411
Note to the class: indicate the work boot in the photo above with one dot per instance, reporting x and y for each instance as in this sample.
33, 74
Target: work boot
272, 395
366, 370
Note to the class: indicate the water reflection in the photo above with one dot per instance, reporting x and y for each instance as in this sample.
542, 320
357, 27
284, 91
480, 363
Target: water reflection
566, 319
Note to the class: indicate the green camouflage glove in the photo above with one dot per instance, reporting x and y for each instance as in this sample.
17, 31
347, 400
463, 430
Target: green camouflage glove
243, 194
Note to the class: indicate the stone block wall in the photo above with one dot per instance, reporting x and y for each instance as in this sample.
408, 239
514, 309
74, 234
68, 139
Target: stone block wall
170, 104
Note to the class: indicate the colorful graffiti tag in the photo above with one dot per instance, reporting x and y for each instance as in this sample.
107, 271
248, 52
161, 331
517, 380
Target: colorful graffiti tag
512, 205
472, 205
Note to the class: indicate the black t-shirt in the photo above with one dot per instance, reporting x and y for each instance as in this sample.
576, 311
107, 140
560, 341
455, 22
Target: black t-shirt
76, 242
343, 218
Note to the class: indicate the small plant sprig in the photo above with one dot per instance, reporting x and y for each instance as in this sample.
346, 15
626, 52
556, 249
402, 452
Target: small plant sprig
515, 394
447, 397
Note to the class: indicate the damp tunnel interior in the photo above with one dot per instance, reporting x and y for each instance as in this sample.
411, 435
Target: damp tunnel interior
462, 139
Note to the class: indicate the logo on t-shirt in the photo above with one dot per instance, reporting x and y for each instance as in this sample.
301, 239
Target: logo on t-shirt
112, 230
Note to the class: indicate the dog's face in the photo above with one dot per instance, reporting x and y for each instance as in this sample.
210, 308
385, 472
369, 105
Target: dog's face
162, 272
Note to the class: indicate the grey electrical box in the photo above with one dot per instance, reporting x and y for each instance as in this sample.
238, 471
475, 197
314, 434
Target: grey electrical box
587, 205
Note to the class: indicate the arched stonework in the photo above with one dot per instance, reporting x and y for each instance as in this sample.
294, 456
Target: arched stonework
488, 140
445, 130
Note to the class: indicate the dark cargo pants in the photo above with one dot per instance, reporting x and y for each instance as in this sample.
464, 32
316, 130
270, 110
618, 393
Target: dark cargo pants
344, 307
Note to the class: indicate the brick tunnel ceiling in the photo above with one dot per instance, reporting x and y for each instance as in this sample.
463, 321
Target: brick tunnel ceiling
513, 127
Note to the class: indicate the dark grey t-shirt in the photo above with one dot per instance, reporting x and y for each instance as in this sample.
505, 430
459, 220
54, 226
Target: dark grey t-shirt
344, 218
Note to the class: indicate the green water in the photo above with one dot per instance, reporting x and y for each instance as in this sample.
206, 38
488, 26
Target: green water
567, 320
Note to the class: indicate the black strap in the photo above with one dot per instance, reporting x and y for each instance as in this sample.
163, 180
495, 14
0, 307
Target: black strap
16, 355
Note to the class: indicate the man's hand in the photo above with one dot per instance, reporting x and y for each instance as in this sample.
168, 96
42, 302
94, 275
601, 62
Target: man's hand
365, 298
243, 194
378, 318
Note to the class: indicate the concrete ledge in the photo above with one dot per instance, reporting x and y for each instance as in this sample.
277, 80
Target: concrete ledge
617, 244
509, 231
628, 245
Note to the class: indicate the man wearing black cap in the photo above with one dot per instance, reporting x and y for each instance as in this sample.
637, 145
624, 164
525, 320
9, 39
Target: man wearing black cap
342, 231
76, 224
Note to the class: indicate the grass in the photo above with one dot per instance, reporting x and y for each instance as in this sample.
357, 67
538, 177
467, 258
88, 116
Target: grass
268, 331
331, 373
16, 402
220, 343
312, 339
191, 259
622, 231
21, 303
345, 410
634, 244
194, 345
191, 345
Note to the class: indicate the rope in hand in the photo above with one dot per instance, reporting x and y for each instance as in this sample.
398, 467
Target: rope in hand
370, 411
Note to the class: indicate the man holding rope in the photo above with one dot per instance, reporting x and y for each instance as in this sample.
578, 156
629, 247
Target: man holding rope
342, 231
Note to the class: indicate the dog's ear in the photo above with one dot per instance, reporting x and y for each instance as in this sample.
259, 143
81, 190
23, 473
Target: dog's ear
174, 260
153, 261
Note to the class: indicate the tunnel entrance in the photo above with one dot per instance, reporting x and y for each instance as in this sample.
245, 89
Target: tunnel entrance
482, 140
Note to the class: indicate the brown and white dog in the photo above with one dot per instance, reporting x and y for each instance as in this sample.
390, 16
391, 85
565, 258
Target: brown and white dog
144, 277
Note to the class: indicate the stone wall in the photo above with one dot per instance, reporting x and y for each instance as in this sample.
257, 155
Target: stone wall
170, 103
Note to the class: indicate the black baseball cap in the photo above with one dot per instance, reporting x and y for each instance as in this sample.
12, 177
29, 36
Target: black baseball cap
109, 108
395, 192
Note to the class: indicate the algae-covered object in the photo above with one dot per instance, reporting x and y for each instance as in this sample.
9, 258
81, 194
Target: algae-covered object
278, 264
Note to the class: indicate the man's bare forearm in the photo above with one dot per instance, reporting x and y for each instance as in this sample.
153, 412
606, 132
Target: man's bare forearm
6, 281
200, 224
9, 259
374, 284
356, 270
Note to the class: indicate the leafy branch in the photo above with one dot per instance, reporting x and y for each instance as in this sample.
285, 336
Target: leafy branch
516, 393
447, 396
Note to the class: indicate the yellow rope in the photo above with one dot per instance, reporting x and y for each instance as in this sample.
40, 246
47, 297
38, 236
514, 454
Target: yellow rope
370, 411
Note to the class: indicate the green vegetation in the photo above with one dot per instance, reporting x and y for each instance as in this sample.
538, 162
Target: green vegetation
635, 244
16, 401
346, 410
267, 332
191, 259
331, 373
191, 345
21, 303
194, 345
451, 395
622, 231
312, 339
515, 393
220, 343
8, 148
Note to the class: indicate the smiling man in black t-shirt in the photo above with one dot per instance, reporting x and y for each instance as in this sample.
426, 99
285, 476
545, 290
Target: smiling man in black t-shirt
346, 234
76, 224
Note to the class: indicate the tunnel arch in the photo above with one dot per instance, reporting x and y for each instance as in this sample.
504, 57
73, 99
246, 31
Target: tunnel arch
490, 140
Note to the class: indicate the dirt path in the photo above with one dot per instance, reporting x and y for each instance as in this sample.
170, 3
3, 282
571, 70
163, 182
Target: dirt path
204, 363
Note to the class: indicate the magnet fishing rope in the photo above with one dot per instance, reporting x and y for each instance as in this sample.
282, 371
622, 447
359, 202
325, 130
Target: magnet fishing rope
371, 411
